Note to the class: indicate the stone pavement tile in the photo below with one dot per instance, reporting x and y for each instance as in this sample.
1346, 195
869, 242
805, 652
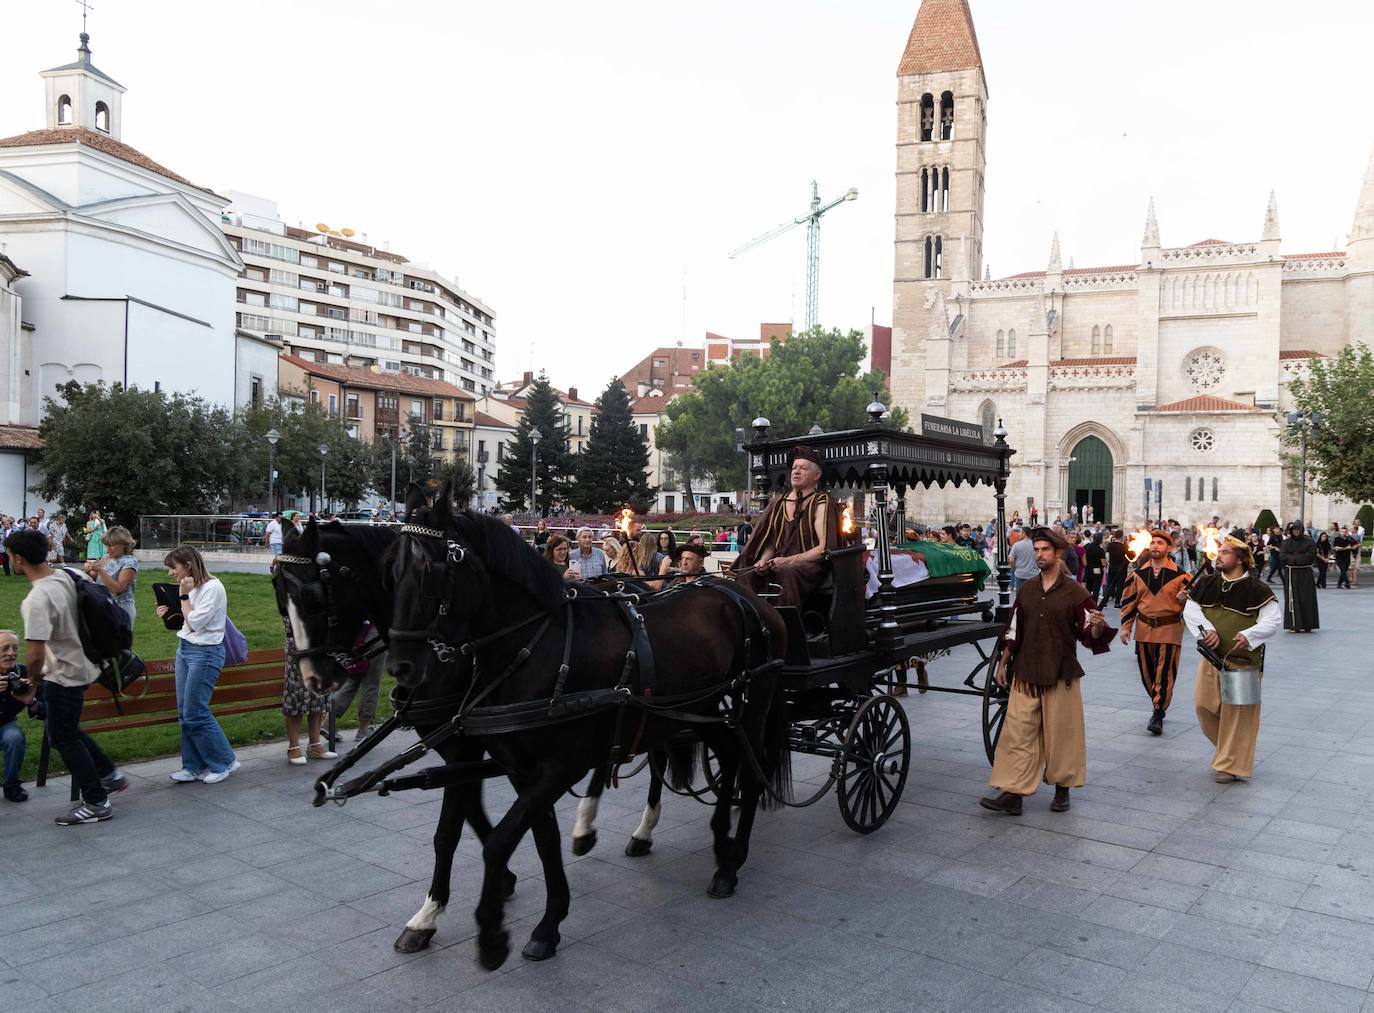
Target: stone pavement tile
1153, 890
1297, 993
922, 983
1224, 938
1187, 968
233, 956
1298, 870
1045, 896
587, 916
237, 889
62, 970
1064, 975
18, 992
1258, 886
1131, 916
984, 880
656, 932
635, 891
1101, 944
1196, 848
176, 938
159, 987
1246, 911
849, 955
343, 881
1292, 847
1139, 993
268, 853
437, 975
1178, 869
1055, 869
286, 985
1322, 828
323, 929
752, 975
289, 903
1316, 959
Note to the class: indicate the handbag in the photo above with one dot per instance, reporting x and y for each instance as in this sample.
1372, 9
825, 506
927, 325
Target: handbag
117, 674
235, 644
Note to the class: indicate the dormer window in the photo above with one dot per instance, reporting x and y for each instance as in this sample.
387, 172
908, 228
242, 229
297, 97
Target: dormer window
64, 111
102, 117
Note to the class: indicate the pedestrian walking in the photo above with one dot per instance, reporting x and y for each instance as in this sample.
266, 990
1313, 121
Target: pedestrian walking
1095, 558
1273, 543
1022, 558
57, 664
1299, 553
205, 751
272, 536
1233, 612
1325, 554
1343, 546
1151, 610
365, 682
1042, 736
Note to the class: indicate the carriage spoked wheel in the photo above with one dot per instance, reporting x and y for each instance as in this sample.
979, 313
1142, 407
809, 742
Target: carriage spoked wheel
995, 699
710, 770
874, 759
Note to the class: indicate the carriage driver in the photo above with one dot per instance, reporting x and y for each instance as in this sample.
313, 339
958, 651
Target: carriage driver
792, 535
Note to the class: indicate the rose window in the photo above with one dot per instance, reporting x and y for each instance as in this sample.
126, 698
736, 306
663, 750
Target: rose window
1204, 368
1202, 440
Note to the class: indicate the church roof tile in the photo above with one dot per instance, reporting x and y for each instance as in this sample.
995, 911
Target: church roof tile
101, 142
1299, 353
942, 38
1206, 403
20, 438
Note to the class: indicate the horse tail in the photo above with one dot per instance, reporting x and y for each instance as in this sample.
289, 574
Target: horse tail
682, 754
777, 753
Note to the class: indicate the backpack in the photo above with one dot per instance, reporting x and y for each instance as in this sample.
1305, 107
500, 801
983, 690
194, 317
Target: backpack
102, 625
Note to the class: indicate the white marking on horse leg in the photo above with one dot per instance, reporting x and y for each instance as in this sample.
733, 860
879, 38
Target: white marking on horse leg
645, 830
586, 816
302, 640
427, 918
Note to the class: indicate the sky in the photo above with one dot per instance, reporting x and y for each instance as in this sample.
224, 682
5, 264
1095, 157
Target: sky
586, 168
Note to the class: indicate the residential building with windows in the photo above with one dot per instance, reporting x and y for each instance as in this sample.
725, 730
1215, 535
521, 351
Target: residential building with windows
721, 351
671, 496
667, 369
491, 439
375, 405
507, 403
336, 300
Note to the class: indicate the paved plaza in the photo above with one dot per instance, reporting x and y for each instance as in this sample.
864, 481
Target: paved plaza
1161, 890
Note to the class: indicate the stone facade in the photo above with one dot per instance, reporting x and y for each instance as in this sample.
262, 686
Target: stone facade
1173, 368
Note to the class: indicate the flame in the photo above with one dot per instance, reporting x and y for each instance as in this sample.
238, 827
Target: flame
1210, 542
622, 524
1137, 544
847, 520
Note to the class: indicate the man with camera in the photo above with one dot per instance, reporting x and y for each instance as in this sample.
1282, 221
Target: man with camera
15, 690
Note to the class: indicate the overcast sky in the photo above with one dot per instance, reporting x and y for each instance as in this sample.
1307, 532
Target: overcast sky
571, 164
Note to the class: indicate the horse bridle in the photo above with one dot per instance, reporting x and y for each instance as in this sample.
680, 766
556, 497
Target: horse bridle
455, 555
324, 579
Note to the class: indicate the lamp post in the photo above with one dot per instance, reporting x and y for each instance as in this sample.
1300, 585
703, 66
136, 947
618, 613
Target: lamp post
324, 453
535, 437
272, 437
1303, 423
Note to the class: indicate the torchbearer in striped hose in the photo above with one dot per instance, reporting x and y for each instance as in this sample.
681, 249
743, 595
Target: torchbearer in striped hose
1152, 611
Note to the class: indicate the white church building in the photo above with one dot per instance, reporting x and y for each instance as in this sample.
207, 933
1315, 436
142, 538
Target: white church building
1174, 366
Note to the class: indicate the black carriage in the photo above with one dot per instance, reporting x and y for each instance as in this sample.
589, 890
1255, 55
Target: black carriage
846, 653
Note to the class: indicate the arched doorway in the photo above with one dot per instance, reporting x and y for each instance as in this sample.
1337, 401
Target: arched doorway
1090, 477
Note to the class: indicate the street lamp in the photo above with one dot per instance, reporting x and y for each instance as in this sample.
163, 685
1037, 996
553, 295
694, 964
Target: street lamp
535, 437
272, 437
1303, 423
324, 452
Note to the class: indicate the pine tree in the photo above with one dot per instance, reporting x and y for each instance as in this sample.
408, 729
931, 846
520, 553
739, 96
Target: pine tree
613, 469
543, 411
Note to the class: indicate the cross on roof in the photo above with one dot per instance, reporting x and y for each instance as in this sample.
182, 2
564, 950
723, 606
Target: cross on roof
86, 8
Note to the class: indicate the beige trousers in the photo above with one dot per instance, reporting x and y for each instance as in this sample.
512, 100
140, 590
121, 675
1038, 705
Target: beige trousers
1042, 739
1232, 729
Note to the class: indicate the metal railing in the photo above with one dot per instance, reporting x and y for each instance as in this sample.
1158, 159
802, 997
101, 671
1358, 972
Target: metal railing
207, 532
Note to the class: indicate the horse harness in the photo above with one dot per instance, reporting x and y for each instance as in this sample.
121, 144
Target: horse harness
324, 580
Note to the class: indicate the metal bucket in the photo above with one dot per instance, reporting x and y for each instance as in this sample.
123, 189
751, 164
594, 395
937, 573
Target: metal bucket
1240, 687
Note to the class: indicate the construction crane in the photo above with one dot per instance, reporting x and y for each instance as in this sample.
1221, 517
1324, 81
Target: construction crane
812, 221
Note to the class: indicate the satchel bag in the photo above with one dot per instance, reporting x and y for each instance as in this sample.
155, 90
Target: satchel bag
235, 644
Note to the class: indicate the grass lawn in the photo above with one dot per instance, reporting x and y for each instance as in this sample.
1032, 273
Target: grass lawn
253, 608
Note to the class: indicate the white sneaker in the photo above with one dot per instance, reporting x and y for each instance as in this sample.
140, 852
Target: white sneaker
184, 776
217, 778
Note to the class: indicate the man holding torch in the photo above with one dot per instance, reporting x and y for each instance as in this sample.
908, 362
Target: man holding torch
1152, 610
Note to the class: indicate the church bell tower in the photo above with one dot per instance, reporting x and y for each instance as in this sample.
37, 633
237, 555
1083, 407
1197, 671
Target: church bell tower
941, 159
83, 97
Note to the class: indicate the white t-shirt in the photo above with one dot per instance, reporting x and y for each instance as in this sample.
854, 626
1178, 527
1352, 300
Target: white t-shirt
49, 614
205, 614
274, 532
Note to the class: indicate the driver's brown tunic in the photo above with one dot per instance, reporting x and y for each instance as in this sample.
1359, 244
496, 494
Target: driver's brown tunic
789, 538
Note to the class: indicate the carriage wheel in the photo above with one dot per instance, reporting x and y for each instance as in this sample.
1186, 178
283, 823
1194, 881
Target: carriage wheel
710, 769
875, 758
994, 705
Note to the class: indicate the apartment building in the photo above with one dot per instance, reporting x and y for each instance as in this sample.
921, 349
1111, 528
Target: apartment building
336, 300
722, 351
667, 369
377, 405
491, 439
506, 402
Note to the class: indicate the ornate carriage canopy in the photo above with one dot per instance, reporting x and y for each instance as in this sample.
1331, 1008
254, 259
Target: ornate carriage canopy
945, 452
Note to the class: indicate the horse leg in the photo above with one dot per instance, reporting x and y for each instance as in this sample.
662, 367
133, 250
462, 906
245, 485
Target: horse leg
584, 827
421, 927
543, 941
534, 798
642, 840
723, 883
481, 825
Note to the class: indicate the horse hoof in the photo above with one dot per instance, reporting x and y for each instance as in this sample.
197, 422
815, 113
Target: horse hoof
638, 848
539, 949
413, 940
492, 957
510, 884
582, 845
721, 887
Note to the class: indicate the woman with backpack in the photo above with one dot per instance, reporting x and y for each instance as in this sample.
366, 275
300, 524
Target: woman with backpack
205, 751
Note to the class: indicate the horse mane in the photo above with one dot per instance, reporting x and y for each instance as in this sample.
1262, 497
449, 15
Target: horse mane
373, 539
504, 552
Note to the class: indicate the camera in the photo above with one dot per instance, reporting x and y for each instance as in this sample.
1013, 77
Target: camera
17, 684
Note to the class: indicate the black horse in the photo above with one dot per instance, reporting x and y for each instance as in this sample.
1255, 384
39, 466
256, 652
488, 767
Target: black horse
569, 680
329, 582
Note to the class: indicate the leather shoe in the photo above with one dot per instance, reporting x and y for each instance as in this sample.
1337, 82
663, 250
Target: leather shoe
922, 680
1006, 803
1061, 800
16, 793
1221, 777
1156, 725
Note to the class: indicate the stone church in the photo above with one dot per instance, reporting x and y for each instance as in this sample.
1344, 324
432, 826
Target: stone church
1103, 376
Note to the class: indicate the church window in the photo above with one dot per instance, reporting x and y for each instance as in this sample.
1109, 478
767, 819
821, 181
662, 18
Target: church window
1001, 342
64, 111
1204, 368
947, 116
1187, 488
1214, 489
1011, 343
944, 189
1202, 440
1097, 340
939, 256
1107, 340
925, 190
102, 117
930, 258
927, 117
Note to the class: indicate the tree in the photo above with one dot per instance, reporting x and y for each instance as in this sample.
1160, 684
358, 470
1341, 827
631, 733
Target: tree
613, 469
304, 428
129, 452
419, 455
1340, 446
810, 379
460, 474
1266, 520
543, 411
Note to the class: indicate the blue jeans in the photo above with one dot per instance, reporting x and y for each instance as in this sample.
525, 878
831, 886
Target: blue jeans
204, 749
12, 747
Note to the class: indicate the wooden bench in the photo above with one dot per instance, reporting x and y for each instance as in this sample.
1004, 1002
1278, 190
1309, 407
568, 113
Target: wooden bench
256, 685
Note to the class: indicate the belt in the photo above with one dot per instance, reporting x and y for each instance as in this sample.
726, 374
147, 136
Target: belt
1157, 621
